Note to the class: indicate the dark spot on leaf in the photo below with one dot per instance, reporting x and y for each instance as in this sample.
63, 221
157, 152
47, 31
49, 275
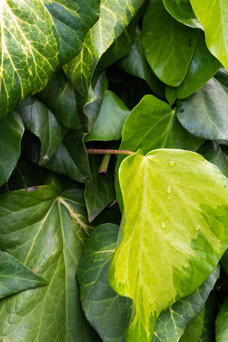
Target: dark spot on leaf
190, 42
181, 111
32, 188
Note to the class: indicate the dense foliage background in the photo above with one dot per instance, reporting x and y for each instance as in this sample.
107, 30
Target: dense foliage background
113, 166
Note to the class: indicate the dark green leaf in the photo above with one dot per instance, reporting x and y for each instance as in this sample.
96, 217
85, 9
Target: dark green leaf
195, 329
182, 11
15, 277
39, 120
104, 309
100, 192
221, 323
222, 76
46, 232
204, 113
71, 158
202, 67
11, 131
59, 95
208, 328
172, 323
135, 63
214, 154
163, 36
110, 119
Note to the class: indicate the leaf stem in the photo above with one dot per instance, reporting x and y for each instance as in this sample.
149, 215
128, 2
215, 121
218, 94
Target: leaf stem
105, 151
104, 164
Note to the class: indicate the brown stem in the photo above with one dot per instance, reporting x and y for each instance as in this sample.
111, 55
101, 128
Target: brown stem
104, 151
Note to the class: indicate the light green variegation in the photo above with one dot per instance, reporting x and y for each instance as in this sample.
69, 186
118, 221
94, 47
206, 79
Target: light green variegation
37, 36
114, 18
176, 229
213, 15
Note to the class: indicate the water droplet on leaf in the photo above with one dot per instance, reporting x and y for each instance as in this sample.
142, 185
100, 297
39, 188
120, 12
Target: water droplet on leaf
169, 189
196, 228
163, 225
172, 163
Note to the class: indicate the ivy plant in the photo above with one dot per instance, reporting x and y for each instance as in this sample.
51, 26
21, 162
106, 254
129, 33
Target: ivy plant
113, 170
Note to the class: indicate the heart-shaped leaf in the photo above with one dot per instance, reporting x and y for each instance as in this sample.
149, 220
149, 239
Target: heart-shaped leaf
175, 231
46, 232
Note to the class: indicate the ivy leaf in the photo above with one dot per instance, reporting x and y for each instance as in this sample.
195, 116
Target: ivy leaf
162, 214
104, 309
71, 158
182, 11
135, 64
158, 31
114, 18
153, 124
46, 232
99, 193
15, 277
204, 113
110, 119
195, 329
221, 323
214, 154
61, 98
172, 323
35, 39
72, 21
208, 327
211, 14
202, 67
39, 120
11, 132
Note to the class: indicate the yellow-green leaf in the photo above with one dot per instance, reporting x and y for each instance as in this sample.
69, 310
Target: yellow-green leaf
175, 231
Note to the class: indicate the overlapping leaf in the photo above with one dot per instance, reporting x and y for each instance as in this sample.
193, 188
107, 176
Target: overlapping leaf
182, 11
174, 231
11, 132
39, 120
35, 39
204, 113
114, 18
214, 14
105, 310
46, 233
15, 277
169, 45
221, 323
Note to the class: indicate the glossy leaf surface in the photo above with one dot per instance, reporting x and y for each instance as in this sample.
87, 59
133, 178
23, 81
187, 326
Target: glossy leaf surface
104, 309
204, 113
46, 232
158, 32
110, 119
202, 67
182, 11
114, 18
214, 154
15, 277
11, 132
39, 120
211, 14
221, 323
188, 223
